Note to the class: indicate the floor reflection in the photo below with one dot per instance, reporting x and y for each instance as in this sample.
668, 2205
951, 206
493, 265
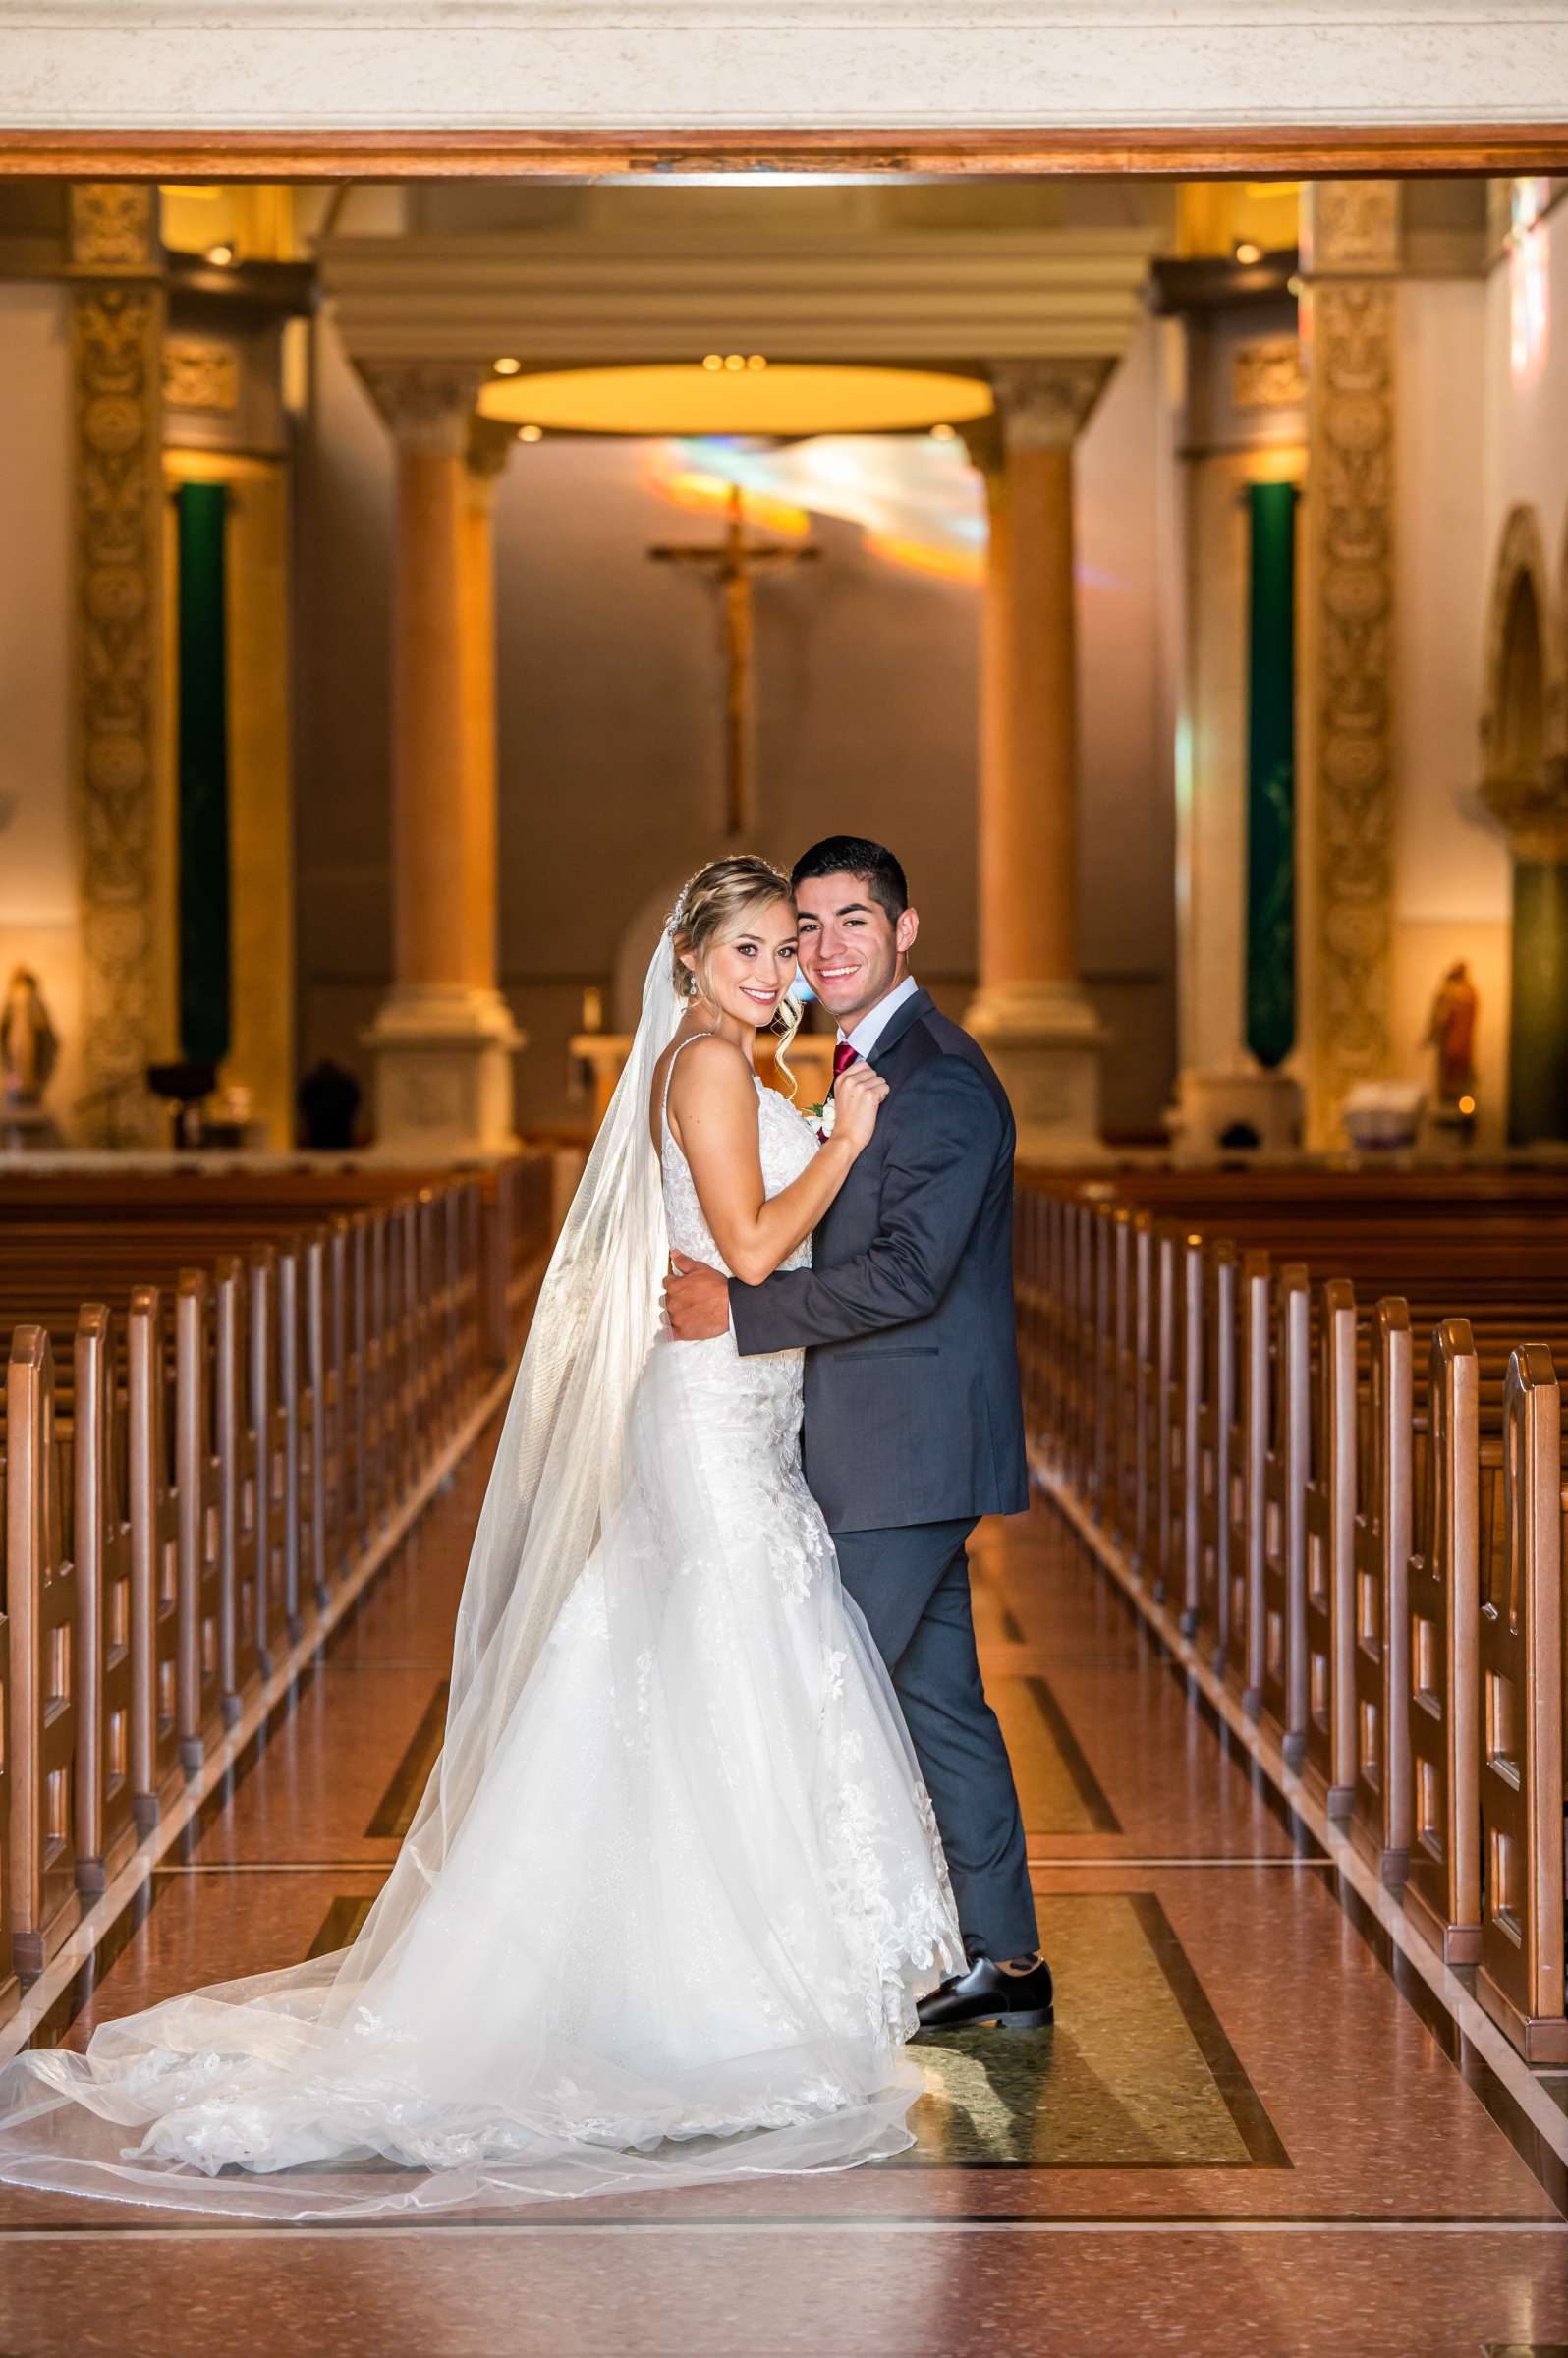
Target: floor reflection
1137, 2073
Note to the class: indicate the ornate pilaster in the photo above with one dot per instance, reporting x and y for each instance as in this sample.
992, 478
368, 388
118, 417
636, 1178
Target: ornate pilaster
117, 334
1350, 260
443, 1038
1031, 1009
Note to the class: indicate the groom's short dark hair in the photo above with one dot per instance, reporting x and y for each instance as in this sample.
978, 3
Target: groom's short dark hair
870, 864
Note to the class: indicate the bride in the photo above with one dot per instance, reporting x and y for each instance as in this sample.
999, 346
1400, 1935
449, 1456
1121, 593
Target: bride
675, 1885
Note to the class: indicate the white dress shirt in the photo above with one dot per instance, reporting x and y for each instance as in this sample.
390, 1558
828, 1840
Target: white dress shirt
868, 1030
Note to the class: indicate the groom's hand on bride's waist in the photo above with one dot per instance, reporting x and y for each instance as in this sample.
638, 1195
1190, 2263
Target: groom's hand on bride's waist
696, 1301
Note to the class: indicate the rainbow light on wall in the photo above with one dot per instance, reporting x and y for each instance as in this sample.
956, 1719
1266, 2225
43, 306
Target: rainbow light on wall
1529, 282
703, 494
918, 501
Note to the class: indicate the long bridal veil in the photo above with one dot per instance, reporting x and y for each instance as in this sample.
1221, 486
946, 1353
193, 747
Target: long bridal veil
444, 2058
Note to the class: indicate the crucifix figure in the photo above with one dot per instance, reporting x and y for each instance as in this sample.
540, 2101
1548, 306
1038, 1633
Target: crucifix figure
732, 562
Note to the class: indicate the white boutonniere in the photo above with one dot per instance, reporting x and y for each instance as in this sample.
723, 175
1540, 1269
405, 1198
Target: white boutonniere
822, 1117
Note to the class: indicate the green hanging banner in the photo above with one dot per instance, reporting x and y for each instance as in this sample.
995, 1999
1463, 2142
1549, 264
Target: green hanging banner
204, 752
1272, 775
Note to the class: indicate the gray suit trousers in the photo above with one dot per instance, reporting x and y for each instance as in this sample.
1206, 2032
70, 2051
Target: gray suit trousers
912, 1584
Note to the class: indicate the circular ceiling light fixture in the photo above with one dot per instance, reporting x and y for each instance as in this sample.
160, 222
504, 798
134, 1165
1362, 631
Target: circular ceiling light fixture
695, 398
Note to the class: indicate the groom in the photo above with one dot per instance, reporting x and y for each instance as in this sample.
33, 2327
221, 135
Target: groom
914, 1426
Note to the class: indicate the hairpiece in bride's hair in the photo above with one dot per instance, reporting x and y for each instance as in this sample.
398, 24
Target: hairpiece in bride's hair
707, 910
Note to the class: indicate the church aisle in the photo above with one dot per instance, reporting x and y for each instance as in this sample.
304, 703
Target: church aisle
1251, 2129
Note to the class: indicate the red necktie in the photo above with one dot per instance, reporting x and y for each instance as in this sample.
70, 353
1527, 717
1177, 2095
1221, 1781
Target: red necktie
843, 1057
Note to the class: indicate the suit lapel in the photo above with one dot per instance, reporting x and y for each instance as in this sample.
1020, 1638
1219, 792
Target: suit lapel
902, 1019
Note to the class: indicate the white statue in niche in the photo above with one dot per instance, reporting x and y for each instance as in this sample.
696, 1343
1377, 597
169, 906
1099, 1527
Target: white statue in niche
29, 1049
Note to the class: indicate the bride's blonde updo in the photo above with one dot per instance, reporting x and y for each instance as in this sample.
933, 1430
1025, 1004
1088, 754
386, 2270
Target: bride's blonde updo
713, 908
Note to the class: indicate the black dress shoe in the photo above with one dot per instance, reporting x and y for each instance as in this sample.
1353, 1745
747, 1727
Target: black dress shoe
1013, 2001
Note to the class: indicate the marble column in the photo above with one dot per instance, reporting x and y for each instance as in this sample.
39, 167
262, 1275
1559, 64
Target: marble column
443, 1038
1031, 1009
1532, 811
1235, 420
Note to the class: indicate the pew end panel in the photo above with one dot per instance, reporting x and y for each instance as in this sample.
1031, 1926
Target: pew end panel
1216, 1433
156, 1773
1380, 1811
1244, 1622
1328, 1604
1283, 1700
1519, 1978
1443, 1890
42, 1621
106, 1826
197, 1483
239, 1444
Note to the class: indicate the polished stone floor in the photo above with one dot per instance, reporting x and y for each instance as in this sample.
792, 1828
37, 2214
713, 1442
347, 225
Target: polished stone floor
1253, 2129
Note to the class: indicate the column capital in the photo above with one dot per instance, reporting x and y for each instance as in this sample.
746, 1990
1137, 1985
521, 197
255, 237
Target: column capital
1349, 229
427, 405
1040, 405
1532, 811
112, 230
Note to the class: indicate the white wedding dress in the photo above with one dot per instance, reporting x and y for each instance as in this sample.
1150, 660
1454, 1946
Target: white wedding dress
664, 1916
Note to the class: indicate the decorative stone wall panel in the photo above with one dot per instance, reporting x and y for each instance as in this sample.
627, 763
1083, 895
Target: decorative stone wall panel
200, 376
1266, 374
1351, 252
117, 331
1352, 519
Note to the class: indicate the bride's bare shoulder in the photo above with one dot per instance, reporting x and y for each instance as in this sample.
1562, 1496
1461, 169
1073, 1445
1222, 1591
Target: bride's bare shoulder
714, 1069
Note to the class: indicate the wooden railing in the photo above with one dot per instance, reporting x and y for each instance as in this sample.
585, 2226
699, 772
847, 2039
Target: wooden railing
1349, 1496
194, 1464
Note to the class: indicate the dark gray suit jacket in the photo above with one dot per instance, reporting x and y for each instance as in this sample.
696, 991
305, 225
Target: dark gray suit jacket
912, 1402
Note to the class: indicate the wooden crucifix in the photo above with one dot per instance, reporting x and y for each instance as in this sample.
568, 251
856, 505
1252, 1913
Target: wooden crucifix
732, 562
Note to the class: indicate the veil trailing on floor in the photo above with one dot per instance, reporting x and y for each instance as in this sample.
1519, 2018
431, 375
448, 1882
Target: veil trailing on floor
369, 2082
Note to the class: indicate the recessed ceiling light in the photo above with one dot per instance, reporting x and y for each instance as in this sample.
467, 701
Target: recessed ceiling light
1247, 252
221, 254
507, 368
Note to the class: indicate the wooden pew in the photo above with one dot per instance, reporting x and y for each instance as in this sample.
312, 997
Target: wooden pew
106, 1828
1379, 1656
1328, 1589
1519, 1978
168, 1484
1246, 1628
1443, 1890
43, 1614
1283, 1700
1217, 1436
156, 1772
10, 1980
1430, 1660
